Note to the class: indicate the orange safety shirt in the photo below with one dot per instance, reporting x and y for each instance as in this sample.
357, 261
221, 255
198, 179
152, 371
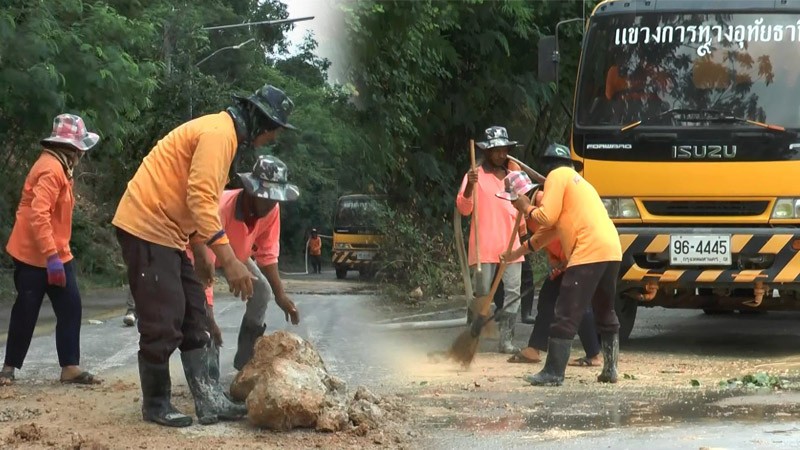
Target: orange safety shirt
496, 218
260, 239
43, 225
315, 246
177, 189
572, 206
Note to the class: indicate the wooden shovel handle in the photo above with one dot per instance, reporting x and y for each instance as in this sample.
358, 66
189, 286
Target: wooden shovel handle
485, 302
475, 207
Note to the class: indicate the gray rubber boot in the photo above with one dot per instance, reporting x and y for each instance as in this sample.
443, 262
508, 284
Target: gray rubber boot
505, 323
552, 374
610, 345
248, 335
213, 362
156, 395
210, 403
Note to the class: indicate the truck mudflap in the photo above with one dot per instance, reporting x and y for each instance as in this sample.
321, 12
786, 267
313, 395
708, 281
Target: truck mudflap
766, 255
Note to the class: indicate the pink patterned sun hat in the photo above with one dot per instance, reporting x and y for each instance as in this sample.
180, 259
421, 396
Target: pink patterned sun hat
69, 129
517, 183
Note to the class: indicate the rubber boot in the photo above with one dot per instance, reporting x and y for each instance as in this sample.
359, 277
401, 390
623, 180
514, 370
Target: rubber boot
248, 335
506, 321
156, 394
552, 374
213, 362
210, 403
610, 345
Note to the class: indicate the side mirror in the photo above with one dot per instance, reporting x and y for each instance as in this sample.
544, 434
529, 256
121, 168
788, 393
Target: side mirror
548, 59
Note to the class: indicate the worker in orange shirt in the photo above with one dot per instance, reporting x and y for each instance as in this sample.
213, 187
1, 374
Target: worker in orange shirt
590, 241
315, 251
251, 218
43, 261
175, 194
520, 184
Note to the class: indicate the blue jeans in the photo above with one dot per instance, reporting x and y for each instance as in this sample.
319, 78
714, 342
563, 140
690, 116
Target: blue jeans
31, 285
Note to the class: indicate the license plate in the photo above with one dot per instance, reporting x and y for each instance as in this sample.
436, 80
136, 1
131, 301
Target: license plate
698, 250
363, 255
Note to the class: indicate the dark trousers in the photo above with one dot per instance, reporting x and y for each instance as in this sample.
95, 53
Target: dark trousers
316, 263
545, 315
31, 285
169, 298
583, 286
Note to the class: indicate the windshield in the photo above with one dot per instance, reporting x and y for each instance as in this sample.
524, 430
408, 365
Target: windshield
356, 213
744, 65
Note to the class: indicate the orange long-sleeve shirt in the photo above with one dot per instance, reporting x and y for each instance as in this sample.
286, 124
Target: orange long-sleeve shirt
43, 223
177, 189
572, 206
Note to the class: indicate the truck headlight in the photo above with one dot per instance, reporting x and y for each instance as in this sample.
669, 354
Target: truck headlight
786, 208
621, 208
341, 246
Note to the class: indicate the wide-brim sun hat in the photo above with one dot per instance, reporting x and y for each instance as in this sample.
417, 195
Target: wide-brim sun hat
269, 180
516, 183
273, 103
69, 129
496, 137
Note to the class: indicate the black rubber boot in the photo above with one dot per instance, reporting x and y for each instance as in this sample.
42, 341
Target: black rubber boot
552, 374
248, 335
610, 345
210, 403
506, 322
156, 394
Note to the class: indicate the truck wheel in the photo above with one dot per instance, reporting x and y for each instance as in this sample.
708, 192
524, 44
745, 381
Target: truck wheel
341, 273
626, 313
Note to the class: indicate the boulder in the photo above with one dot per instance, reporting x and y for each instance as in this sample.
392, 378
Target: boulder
291, 395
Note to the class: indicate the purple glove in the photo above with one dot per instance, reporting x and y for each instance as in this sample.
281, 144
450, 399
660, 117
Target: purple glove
55, 271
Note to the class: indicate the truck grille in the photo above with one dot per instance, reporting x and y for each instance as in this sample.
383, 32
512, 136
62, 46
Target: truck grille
706, 208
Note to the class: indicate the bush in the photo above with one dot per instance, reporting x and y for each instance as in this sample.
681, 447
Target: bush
416, 255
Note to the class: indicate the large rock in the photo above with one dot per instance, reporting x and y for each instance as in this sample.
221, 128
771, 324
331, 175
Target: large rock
280, 345
291, 395
286, 386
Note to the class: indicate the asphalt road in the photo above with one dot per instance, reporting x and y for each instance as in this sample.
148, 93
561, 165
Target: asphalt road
359, 355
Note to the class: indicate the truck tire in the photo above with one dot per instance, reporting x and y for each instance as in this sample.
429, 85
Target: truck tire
626, 313
341, 273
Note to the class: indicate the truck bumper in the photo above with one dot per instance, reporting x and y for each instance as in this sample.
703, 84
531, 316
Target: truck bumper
766, 255
353, 259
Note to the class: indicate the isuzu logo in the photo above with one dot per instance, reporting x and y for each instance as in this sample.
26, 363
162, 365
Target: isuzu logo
703, 151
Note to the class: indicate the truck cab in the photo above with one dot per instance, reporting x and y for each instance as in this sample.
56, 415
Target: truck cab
356, 238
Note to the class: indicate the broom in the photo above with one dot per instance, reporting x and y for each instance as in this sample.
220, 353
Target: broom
466, 344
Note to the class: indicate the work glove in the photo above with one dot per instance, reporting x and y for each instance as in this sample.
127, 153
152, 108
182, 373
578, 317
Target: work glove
55, 271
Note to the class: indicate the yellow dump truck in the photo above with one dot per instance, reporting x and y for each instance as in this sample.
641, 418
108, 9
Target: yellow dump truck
685, 119
356, 238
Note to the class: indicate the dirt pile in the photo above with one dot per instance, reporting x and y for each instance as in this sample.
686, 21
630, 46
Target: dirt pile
286, 385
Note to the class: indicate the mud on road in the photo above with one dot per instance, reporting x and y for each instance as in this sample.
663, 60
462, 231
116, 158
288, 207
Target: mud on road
670, 374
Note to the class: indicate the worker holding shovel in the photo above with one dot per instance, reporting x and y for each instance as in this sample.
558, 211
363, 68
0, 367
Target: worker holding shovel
495, 224
573, 208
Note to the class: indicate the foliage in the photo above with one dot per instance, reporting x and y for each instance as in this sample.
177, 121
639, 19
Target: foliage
416, 255
757, 380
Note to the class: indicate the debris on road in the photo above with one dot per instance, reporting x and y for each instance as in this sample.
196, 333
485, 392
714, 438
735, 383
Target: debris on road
286, 385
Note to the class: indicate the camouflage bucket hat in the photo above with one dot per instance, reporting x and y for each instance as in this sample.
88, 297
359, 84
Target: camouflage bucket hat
496, 137
273, 103
269, 180
69, 129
